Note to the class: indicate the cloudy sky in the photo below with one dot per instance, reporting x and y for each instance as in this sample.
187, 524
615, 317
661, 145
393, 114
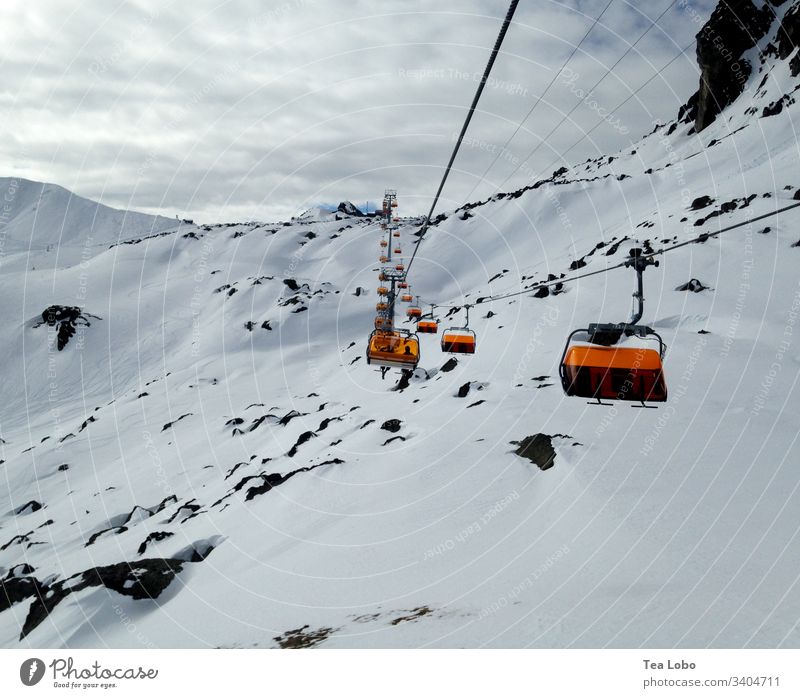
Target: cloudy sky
248, 109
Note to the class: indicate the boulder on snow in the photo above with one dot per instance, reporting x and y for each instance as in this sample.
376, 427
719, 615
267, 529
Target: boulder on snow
28, 508
538, 449
541, 292
449, 365
701, 202
693, 285
66, 319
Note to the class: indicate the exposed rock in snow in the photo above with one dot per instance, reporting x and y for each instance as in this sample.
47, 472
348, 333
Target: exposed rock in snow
693, 285
392, 425
734, 27
303, 638
538, 449
66, 320
28, 508
701, 202
143, 579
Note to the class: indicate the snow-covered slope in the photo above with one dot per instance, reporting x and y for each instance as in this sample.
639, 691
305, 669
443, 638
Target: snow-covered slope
48, 218
208, 461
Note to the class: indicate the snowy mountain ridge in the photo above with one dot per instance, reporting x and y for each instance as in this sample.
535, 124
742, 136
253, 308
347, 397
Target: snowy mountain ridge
48, 218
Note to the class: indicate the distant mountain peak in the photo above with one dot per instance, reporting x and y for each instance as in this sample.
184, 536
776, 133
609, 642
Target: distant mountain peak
349, 208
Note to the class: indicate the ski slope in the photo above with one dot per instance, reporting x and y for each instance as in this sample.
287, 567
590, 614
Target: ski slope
217, 411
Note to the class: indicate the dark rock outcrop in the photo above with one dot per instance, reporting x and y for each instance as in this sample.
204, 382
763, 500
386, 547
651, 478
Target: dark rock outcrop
14, 589
66, 320
538, 449
693, 285
303, 438
789, 37
349, 209
153, 537
145, 579
28, 508
734, 27
303, 638
449, 365
701, 202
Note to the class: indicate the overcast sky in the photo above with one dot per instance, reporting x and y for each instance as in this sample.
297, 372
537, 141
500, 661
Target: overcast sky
246, 109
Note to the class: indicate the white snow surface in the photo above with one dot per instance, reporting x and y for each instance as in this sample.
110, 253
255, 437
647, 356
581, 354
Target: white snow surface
675, 526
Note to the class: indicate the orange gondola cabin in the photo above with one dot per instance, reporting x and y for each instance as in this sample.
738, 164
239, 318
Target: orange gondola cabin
458, 340
428, 326
393, 349
599, 368
613, 373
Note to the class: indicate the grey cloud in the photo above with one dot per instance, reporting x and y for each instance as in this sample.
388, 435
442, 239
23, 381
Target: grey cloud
239, 109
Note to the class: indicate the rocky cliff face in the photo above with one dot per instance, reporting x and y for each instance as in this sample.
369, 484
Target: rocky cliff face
734, 28
788, 38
